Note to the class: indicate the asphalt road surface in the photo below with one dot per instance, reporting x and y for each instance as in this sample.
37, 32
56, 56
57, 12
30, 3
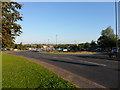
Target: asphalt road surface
97, 68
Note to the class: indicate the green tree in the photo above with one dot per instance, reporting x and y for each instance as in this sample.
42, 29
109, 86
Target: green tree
39, 46
86, 45
20, 46
93, 44
119, 42
107, 40
16, 46
10, 27
61, 46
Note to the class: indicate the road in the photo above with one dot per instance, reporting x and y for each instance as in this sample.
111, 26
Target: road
97, 68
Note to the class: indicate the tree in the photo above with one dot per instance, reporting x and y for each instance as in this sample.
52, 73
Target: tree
61, 46
39, 46
16, 46
93, 44
20, 46
119, 42
107, 40
86, 45
10, 27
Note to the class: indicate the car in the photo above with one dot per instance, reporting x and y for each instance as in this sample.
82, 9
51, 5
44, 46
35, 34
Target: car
113, 52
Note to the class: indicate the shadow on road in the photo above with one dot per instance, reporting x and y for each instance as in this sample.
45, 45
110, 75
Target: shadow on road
102, 57
73, 63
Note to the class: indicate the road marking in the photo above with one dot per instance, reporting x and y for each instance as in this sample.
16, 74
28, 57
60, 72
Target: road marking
111, 61
55, 57
86, 62
89, 62
95, 63
69, 58
63, 58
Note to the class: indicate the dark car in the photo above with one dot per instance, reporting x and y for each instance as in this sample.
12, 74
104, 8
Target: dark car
113, 52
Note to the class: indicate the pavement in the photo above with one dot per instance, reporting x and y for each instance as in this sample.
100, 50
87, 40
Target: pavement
97, 68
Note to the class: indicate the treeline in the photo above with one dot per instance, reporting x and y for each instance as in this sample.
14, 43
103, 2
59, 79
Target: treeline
105, 42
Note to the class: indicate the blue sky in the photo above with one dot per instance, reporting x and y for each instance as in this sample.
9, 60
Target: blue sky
72, 21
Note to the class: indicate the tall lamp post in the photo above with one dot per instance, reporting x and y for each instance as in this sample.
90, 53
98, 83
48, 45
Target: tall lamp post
116, 21
56, 39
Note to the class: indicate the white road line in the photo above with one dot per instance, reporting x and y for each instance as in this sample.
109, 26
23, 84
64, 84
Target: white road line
69, 58
89, 62
86, 62
95, 63
63, 58
111, 61
55, 57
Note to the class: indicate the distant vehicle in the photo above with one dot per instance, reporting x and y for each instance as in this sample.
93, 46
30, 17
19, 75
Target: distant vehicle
113, 52
65, 50
4, 49
39, 49
29, 48
59, 49
98, 49
15, 49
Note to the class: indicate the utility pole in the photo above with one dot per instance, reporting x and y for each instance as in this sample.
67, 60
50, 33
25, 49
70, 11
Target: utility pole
48, 42
116, 21
60, 42
75, 42
56, 39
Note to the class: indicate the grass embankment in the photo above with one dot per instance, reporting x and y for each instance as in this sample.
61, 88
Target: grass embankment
21, 73
0, 71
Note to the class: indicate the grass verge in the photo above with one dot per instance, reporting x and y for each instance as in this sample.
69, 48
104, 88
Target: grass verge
21, 73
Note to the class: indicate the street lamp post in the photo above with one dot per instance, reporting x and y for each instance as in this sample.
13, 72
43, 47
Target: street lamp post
56, 39
116, 21
48, 42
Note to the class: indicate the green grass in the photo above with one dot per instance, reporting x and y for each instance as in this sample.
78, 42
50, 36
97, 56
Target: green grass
21, 73
0, 71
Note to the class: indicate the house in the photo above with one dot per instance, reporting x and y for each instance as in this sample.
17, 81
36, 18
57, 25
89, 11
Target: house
48, 48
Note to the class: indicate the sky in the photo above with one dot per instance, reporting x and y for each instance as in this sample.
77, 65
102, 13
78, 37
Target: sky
72, 22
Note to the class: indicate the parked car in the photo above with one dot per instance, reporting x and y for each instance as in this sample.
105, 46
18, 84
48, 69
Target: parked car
59, 49
65, 50
113, 52
15, 49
